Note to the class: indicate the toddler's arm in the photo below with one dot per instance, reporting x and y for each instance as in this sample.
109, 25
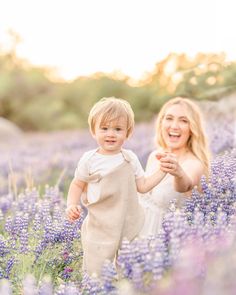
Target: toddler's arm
145, 184
73, 209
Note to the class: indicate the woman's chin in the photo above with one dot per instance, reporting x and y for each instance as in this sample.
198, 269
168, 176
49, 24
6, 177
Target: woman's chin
174, 146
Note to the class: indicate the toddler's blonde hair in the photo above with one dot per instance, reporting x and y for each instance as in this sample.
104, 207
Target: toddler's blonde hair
110, 109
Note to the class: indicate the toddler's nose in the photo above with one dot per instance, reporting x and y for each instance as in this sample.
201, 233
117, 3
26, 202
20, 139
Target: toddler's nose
110, 132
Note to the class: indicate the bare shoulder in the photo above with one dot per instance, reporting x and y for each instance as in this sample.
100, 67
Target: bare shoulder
193, 167
191, 159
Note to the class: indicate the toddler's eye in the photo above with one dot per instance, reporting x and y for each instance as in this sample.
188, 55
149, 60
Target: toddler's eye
104, 128
118, 129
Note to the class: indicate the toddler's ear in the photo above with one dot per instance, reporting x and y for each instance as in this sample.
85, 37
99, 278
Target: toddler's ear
93, 134
128, 135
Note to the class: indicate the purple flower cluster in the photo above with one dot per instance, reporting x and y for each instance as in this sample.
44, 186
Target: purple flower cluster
36, 238
40, 250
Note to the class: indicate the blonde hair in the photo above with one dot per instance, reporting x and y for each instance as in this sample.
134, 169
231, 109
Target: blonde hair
110, 109
197, 142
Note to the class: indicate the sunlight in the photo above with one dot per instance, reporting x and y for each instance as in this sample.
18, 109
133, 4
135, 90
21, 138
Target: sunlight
84, 37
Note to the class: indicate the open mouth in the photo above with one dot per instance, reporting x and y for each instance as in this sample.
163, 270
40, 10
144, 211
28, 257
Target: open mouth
174, 135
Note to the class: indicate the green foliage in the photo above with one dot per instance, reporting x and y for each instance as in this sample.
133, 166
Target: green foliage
34, 102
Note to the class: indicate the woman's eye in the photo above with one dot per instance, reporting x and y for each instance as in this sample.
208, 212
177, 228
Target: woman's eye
118, 129
168, 118
104, 128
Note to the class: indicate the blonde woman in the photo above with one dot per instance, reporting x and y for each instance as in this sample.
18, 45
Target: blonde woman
182, 152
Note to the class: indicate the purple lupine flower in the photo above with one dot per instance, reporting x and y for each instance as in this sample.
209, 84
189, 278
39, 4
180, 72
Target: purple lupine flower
91, 285
10, 264
1, 273
137, 277
158, 266
37, 222
9, 225
3, 246
6, 203
66, 274
24, 240
108, 275
124, 259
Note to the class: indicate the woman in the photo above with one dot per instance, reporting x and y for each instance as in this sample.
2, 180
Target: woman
182, 152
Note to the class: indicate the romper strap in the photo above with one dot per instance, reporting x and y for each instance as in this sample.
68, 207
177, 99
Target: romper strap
126, 155
91, 178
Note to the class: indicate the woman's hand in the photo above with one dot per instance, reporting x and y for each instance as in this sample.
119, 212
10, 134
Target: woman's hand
73, 212
169, 164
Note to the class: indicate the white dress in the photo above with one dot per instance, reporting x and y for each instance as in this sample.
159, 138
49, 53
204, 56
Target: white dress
157, 202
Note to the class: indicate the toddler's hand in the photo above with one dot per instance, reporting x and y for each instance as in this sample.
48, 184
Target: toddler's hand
160, 155
169, 164
73, 212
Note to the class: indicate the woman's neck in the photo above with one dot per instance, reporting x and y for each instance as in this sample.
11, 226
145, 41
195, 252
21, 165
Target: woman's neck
181, 153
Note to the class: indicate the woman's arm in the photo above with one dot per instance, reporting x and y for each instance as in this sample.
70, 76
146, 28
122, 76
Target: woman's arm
186, 176
190, 177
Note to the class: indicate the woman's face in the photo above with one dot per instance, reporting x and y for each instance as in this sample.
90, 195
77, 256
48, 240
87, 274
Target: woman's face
175, 127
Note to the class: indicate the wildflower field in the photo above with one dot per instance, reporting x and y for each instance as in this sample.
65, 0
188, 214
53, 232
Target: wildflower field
40, 251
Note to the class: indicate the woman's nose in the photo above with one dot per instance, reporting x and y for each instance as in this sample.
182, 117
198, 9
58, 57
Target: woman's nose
175, 124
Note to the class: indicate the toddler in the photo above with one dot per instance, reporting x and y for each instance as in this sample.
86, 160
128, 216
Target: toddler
111, 177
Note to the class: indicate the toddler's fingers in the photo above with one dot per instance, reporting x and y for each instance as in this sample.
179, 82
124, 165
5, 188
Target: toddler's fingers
159, 155
72, 214
76, 215
73, 218
78, 209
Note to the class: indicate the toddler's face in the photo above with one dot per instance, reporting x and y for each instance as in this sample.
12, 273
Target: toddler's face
110, 135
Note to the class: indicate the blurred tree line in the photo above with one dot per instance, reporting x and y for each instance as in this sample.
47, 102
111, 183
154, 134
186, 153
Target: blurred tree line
33, 101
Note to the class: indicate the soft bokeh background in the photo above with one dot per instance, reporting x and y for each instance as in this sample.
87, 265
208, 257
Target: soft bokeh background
57, 58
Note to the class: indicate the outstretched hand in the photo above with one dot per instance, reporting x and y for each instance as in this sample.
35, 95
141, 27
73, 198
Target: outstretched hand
169, 163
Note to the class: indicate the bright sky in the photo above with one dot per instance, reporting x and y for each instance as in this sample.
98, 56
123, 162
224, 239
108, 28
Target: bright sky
80, 37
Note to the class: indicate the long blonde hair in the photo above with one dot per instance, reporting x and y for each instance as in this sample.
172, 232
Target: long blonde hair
197, 142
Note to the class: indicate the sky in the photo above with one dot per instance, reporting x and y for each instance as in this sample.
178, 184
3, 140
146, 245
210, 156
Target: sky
81, 37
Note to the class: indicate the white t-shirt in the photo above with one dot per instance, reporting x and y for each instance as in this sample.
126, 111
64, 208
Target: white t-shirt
92, 163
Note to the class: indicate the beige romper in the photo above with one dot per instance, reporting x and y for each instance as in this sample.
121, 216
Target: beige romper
117, 214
